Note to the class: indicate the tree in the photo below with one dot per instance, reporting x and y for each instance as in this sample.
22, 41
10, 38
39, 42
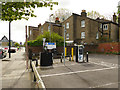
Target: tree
54, 38
17, 44
94, 15
22, 10
61, 13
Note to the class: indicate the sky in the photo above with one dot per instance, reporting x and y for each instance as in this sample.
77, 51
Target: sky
104, 7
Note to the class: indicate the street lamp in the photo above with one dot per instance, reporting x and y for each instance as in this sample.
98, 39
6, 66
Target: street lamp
50, 26
64, 42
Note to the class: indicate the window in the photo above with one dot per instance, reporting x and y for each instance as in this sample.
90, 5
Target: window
67, 25
82, 35
42, 30
48, 28
97, 35
30, 32
100, 25
83, 23
67, 36
105, 27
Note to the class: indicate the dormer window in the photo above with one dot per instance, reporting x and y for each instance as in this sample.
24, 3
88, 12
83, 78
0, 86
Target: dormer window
83, 23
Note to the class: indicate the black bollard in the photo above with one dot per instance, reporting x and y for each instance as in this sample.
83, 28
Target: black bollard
87, 56
61, 59
36, 62
70, 58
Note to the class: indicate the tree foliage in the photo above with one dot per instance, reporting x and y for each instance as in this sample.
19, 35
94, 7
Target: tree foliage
54, 38
16, 44
61, 13
94, 15
22, 10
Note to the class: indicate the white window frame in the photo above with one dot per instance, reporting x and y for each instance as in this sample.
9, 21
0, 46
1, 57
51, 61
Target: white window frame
30, 32
67, 25
82, 35
100, 25
105, 27
67, 36
97, 35
83, 23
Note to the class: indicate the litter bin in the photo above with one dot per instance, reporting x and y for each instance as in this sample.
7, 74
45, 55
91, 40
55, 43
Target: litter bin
46, 59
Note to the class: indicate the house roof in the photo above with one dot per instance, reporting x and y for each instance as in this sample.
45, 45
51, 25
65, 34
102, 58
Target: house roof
98, 19
55, 24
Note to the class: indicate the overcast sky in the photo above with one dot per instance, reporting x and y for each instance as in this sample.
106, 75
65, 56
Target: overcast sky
104, 7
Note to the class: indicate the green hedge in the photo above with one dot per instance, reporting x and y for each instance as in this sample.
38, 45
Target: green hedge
54, 38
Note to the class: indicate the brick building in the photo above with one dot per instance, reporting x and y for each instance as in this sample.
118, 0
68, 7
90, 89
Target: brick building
80, 29
33, 32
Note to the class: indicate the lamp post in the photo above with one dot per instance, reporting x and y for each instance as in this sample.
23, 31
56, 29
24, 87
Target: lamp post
64, 42
50, 26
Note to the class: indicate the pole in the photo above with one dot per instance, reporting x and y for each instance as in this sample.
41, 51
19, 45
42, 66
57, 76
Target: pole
72, 54
64, 43
9, 39
87, 56
26, 49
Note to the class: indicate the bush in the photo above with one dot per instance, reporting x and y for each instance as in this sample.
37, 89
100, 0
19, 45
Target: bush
54, 38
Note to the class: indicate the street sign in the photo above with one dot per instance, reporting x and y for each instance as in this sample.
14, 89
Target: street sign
50, 45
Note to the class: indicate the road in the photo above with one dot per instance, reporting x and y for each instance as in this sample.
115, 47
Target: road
14, 72
100, 72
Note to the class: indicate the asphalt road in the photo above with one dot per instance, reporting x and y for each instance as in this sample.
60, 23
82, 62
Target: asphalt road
14, 72
100, 72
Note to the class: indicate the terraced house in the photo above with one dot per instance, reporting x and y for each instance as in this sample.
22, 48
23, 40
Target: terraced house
82, 29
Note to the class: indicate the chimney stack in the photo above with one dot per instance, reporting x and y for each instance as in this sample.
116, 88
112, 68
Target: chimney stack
57, 20
39, 25
83, 13
114, 18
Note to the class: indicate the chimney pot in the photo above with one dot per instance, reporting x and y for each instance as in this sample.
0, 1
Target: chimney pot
83, 13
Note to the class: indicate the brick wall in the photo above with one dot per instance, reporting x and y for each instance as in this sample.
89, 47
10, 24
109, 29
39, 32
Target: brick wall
103, 47
109, 47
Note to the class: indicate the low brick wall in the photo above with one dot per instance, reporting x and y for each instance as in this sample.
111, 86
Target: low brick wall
102, 47
109, 47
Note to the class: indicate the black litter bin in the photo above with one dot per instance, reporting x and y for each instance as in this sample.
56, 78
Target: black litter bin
46, 59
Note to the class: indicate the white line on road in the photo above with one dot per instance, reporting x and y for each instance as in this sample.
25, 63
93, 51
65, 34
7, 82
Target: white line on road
107, 84
77, 72
105, 64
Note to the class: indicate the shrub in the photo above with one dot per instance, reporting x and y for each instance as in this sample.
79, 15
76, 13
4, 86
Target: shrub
54, 38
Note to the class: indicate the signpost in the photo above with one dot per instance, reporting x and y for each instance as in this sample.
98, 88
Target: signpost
50, 45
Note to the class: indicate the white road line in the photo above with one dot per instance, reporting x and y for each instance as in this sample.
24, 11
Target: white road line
107, 84
105, 64
49, 75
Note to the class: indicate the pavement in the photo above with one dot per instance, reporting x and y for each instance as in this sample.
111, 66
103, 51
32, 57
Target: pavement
14, 72
100, 72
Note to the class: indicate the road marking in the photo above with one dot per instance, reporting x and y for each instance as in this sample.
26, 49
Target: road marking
49, 75
107, 84
105, 64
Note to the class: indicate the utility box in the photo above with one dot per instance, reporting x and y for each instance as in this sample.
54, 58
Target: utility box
46, 59
80, 53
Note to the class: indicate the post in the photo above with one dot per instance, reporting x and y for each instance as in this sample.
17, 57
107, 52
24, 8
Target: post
72, 54
9, 38
65, 51
26, 49
87, 56
64, 43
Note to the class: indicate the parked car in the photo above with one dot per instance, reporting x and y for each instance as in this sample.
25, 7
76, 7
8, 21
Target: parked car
12, 50
3, 53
